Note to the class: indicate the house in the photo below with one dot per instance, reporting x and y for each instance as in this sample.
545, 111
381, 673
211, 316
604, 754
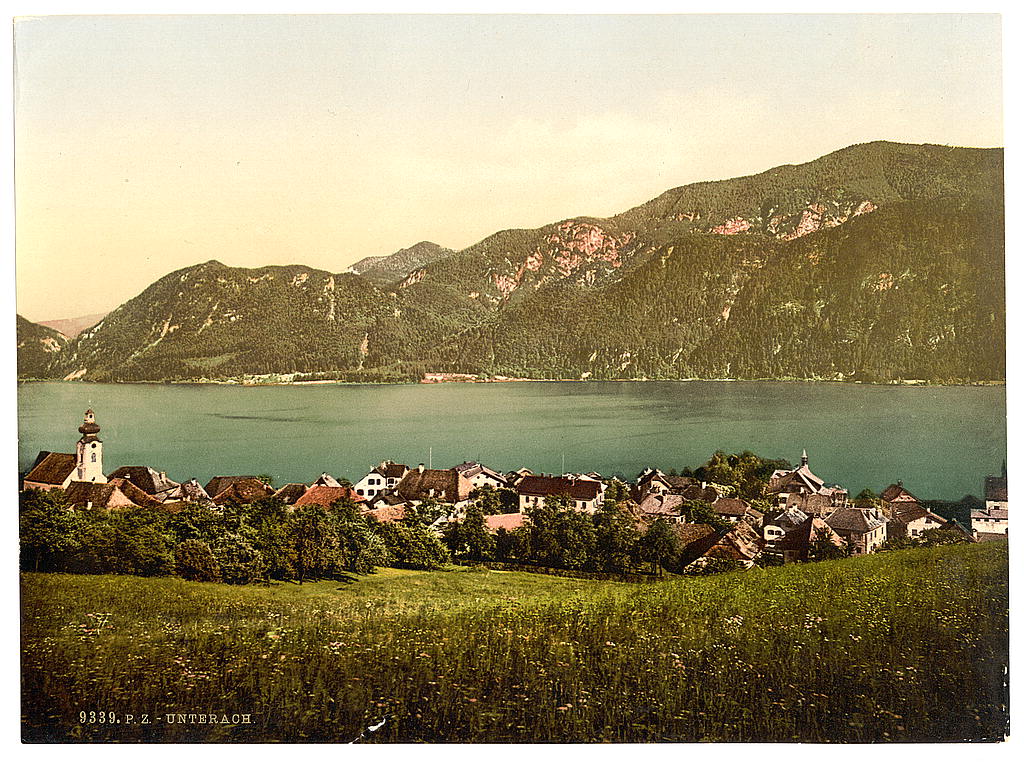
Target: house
516, 476
381, 479
327, 480
290, 492
740, 545
190, 491
243, 491
86, 495
534, 490
56, 470
784, 483
668, 506
325, 496
51, 470
820, 505
219, 483
994, 519
733, 509
955, 525
155, 483
653, 481
795, 545
136, 495
780, 525
863, 528
481, 475
426, 483
912, 520
896, 499
990, 522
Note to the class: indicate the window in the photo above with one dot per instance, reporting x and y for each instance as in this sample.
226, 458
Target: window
94, 456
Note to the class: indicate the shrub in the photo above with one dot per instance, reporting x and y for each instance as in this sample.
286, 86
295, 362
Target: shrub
195, 561
240, 562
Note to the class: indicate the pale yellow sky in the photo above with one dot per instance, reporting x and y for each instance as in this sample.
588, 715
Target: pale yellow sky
146, 144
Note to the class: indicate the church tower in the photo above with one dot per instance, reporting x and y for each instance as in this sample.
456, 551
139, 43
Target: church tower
89, 452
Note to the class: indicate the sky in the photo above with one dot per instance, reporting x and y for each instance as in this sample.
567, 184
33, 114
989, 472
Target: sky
151, 143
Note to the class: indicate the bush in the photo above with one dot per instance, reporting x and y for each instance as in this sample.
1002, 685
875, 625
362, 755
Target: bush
240, 562
195, 561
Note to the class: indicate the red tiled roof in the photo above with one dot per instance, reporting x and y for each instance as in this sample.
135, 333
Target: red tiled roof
134, 493
81, 493
507, 521
894, 490
387, 513
325, 496
244, 490
151, 481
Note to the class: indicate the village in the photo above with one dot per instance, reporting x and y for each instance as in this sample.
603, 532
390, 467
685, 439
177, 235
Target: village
797, 515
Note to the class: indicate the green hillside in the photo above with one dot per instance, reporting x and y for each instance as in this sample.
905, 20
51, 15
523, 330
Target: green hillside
382, 270
39, 348
878, 262
907, 646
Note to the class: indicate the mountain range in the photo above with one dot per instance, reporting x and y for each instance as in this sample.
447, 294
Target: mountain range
878, 262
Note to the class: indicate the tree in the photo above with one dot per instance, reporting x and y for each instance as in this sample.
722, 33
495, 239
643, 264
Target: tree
617, 491
616, 538
659, 546
543, 546
867, 498
470, 536
576, 540
701, 511
360, 546
823, 548
938, 537
313, 542
512, 545
240, 562
47, 525
414, 546
195, 561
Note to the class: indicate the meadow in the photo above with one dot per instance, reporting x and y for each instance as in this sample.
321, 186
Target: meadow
902, 646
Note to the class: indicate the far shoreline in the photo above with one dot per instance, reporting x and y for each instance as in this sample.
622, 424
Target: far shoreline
298, 383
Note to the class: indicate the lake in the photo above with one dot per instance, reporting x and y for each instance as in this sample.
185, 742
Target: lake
940, 441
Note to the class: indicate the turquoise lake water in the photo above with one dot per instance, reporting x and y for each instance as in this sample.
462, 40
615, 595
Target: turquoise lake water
941, 441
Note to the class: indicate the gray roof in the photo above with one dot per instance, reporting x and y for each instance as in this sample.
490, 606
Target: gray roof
856, 519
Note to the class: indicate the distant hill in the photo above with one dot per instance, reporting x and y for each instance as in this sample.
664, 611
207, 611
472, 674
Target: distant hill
211, 320
878, 262
386, 269
38, 348
73, 327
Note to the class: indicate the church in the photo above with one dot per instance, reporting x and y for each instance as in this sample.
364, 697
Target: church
57, 470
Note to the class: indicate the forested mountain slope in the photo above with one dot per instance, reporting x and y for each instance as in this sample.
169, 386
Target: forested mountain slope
881, 262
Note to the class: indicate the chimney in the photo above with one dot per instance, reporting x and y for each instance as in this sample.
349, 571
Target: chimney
420, 467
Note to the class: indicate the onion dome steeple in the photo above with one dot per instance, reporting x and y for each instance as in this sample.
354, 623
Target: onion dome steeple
89, 429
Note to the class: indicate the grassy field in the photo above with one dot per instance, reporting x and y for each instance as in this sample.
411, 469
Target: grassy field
907, 646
